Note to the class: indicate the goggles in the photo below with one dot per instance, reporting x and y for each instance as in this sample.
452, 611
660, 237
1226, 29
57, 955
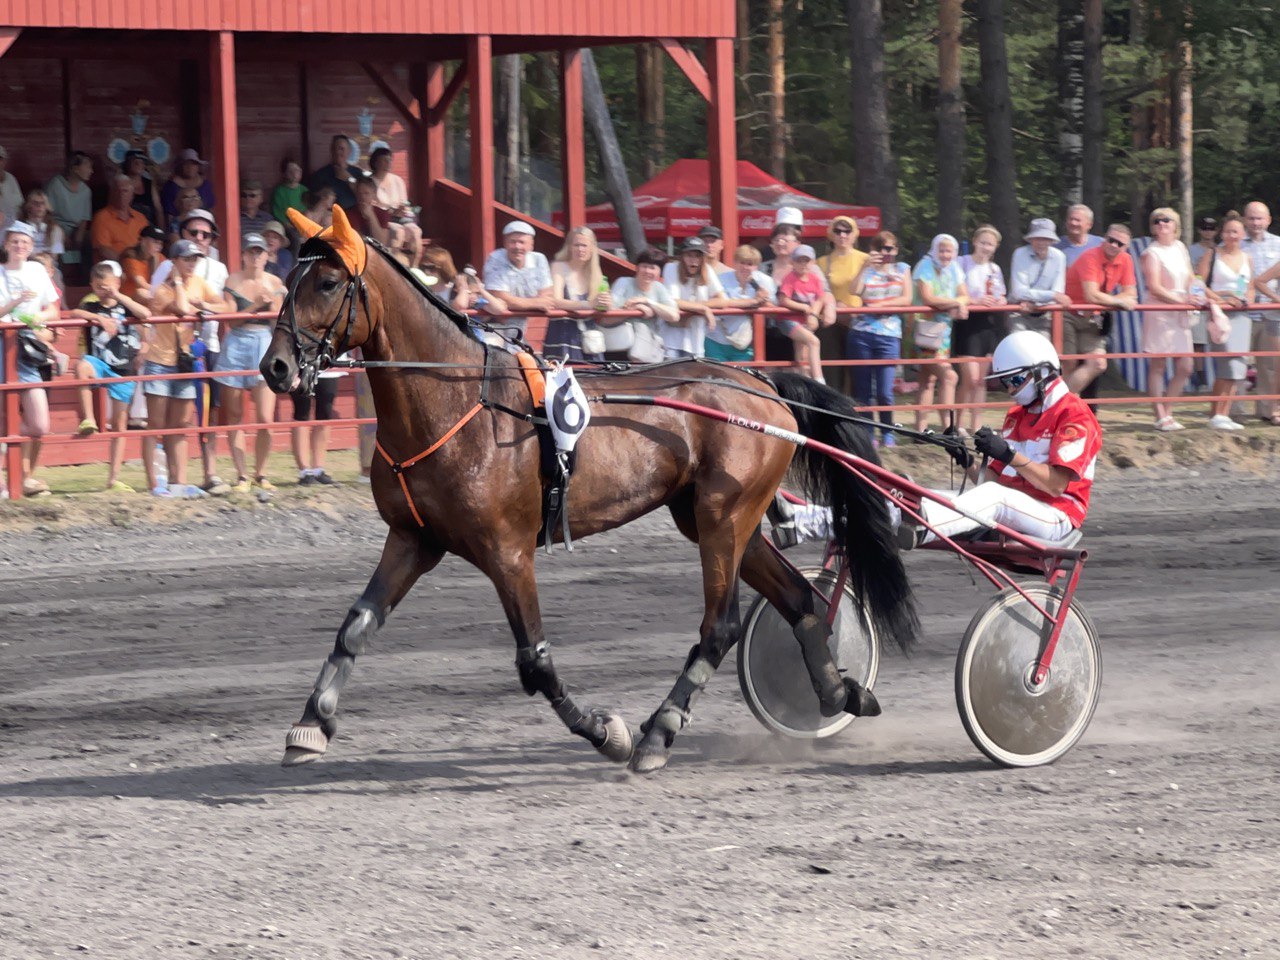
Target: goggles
1015, 380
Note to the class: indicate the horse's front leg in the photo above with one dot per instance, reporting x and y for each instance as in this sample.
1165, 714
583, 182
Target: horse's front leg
518, 591
405, 558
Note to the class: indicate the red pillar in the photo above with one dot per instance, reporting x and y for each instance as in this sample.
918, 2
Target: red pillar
722, 147
573, 147
480, 85
225, 147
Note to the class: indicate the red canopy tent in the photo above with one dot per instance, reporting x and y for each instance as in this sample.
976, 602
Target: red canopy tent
677, 203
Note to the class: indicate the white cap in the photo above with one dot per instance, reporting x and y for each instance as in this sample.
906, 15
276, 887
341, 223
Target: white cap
17, 226
518, 226
1042, 228
191, 154
791, 215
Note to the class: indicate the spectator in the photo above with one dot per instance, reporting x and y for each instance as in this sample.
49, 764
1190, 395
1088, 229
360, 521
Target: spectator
111, 348
1038, 277
367, 218
1207, 231
37, 213
189, 171
182, 292
27, 296
714, 239
311, 444
1263, 248
783, 239
259, 294
578, 285
976, 336
746, 288
141, 262
882, 282
462, 291
697, 291
940, 284
10, 192
188, 200
1104, 276
322, 203
1078, 239
1167, 270
279, 256
517, 276
289, 193
117, 226
199, 228
51, 267
840, 267
393, 197
1228, 273
801, 291
146, 194
254, 217
72, 203
338, 174
647, 293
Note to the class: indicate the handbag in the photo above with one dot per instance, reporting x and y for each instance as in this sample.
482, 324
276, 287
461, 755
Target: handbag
34, 352
618, 338
1219, 326
646, 348
186, 361
740, 339
930, 334
592, 340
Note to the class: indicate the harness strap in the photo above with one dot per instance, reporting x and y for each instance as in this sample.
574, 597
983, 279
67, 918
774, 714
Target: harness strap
399, 468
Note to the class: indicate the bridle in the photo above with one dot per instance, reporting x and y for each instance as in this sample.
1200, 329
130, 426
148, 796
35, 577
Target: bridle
317, 353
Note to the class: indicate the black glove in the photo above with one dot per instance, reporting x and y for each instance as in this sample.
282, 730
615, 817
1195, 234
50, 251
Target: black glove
956, 448
991, 444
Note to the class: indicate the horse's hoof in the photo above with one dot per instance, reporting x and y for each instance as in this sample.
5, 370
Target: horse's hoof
650, 755
862, 702
618, 743
303, 744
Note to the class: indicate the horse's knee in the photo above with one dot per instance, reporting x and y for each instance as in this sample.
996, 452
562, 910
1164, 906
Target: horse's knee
363, 621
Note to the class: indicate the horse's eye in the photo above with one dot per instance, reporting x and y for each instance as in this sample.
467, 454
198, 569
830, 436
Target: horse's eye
328, 286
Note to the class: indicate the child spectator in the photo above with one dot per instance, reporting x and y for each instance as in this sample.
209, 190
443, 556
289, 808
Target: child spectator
321, 209
289, 193
747, 288
111, 347
802, 291
141, 262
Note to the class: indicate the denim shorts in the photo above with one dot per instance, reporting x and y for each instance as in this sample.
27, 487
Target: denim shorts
175, 389
243, 349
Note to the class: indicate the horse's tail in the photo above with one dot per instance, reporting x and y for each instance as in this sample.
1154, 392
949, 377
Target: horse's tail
859, 513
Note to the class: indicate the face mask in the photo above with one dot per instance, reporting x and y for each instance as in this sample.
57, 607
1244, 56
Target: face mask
1028, 392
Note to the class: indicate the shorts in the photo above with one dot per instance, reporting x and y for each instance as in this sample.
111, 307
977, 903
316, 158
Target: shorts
1082, 333
29, 374
174, 389
726, 353
326, 393
243, 349
978, 334
123, 392
785, 326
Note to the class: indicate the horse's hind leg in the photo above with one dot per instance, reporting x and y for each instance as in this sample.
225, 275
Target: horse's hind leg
764, 571
405, 558
518, 591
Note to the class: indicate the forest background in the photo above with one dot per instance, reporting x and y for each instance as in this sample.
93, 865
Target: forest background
946, 114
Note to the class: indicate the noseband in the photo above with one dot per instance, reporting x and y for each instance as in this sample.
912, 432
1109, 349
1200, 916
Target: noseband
315, 354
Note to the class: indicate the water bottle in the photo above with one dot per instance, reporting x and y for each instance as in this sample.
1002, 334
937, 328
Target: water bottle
602, 288
161, 466
1242, 285
1197, 289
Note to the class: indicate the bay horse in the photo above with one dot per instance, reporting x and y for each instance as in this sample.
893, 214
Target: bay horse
458, 471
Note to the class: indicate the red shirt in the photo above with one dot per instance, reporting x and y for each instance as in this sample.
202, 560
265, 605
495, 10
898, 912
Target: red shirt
806, 289
1109, 275
1065, 434
357, 219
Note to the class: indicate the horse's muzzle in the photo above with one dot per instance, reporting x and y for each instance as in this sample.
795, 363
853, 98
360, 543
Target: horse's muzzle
280, 371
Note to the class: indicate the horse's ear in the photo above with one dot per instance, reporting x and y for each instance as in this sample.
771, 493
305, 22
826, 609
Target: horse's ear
304, 224
346, 243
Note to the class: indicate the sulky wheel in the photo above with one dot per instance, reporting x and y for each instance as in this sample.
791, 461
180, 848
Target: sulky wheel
772, 673
1007, 716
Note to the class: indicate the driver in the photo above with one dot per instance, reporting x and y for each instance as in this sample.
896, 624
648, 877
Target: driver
1041, 462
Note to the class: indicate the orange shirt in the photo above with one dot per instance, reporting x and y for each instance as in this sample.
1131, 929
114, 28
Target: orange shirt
116, 234
166, 336
1109, 275
136, 268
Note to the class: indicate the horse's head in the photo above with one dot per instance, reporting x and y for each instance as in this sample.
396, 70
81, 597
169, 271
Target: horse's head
327, 309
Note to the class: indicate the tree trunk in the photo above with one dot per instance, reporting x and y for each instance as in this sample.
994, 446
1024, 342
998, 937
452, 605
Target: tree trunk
510, 73
997, 125
777, 93
874, 165
1182, 135
1140, 123
1095, 123
743, 61
1070, 69
616, 183
950, 120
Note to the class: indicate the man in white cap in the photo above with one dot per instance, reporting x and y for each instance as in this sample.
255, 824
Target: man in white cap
791, 216
1039, 276
199, 227
10, 192
517, 275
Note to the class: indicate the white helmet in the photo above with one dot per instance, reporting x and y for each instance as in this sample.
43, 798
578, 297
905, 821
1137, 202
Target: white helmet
1026, 352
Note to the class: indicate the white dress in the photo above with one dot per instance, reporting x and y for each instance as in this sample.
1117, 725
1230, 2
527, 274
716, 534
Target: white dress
1169, 331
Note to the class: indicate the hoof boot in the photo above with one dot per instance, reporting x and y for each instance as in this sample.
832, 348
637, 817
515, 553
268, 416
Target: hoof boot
618, 743
303, 744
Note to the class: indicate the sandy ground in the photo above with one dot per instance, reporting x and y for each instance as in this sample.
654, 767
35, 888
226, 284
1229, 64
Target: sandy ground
150, 672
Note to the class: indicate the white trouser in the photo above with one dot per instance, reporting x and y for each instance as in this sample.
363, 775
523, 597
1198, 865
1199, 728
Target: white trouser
995, 503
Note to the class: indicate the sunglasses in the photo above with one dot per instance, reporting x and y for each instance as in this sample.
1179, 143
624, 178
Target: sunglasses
1012, 381
1163, 220
199, 234
1123, 243
842, 231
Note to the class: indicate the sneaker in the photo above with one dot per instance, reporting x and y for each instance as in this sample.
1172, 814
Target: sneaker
191, 492
87, 427
161, 492
119, 486
306, 479
909, 536
364, 478
34, 487
1222, 422
1169, 425
216, 486
889, 440
240, 486
323, 478
262, 483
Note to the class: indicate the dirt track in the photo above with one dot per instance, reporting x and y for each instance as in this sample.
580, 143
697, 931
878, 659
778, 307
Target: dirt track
148, 682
